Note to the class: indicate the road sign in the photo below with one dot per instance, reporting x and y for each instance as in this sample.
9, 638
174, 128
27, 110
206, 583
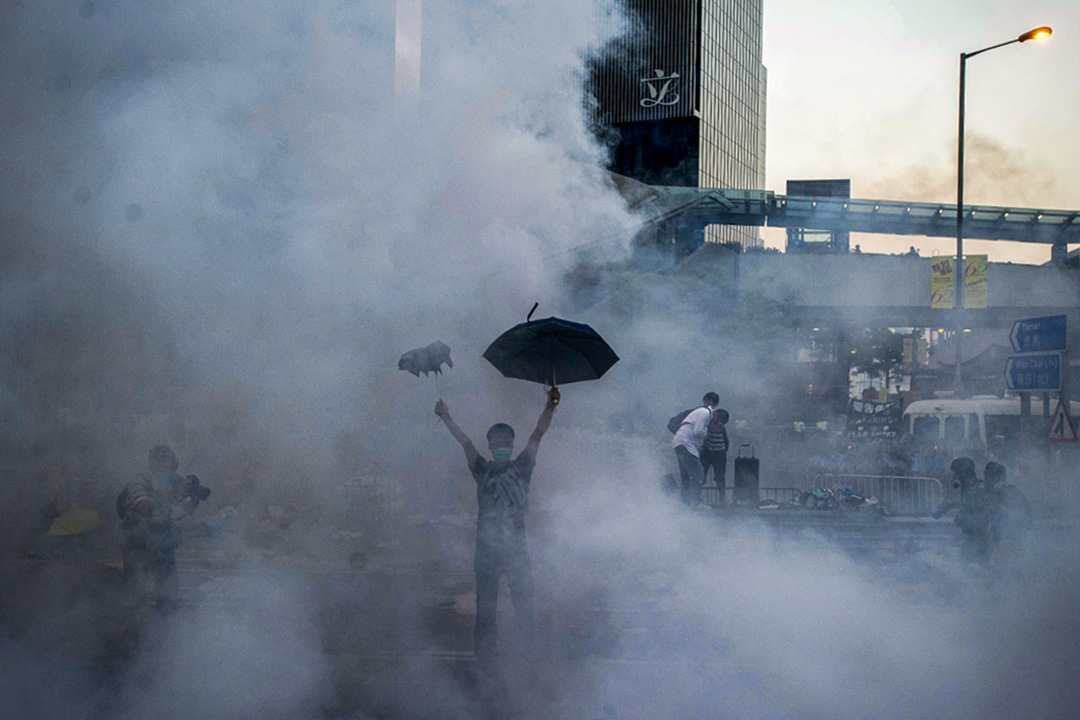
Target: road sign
1040, 334
1033, 372
1061, 427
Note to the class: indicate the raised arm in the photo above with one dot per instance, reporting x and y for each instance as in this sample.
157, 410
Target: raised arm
543, 423
443, 412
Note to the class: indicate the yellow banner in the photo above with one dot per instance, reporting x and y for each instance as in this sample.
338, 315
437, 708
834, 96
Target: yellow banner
941, 283
975, 284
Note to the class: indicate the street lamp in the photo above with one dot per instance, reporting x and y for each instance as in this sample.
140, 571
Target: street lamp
1040, 33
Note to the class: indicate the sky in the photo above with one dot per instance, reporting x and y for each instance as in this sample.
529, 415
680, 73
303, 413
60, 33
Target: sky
868, 90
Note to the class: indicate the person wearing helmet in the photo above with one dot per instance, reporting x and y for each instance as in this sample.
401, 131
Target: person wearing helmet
1012, 516
149, 507
974, 510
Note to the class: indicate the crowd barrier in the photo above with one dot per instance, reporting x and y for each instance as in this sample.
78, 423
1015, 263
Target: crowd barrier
900, 495
711, 495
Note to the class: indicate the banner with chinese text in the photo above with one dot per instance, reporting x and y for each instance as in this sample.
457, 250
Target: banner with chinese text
975, 282
941, 283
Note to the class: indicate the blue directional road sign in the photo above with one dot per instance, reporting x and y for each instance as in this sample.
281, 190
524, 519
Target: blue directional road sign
1041, 334
1033, 372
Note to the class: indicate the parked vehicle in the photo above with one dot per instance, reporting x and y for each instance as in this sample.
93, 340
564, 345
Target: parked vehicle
987, 418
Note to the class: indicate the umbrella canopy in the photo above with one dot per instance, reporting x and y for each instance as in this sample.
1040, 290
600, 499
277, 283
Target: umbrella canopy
551, 350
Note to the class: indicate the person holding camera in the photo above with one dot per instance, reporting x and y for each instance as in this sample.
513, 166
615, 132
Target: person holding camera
975, 510
149, 506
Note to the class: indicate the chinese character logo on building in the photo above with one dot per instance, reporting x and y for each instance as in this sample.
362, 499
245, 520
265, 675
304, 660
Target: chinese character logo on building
662, 89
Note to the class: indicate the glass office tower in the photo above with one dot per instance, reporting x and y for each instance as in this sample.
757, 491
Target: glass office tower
680, 99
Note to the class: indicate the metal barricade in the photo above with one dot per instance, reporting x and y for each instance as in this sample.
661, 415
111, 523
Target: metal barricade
710, 494
900, 495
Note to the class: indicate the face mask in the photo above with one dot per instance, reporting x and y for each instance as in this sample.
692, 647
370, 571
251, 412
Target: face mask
502, 455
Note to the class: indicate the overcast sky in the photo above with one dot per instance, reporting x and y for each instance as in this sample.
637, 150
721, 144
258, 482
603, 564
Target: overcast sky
868, 90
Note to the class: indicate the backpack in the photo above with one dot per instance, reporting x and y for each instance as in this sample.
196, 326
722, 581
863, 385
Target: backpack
676, 420
1012, 515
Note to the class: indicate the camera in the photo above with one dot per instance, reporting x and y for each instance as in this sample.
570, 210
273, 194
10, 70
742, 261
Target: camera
195, 489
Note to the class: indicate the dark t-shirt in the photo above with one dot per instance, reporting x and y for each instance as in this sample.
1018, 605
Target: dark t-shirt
502, 498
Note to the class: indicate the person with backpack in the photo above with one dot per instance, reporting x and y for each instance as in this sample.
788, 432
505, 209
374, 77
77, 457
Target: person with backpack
149, 506
689, 437
1011, 515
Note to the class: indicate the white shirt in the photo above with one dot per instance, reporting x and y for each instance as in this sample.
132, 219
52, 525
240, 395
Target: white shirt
693, 430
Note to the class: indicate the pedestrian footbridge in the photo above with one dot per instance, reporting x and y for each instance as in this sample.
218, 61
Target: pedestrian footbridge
688, 206
871, 290
855, 289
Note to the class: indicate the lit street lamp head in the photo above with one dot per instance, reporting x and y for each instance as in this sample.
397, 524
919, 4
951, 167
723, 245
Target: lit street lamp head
1040, 33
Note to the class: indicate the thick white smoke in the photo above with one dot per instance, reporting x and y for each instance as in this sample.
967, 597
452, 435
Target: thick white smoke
284, 226
220, 229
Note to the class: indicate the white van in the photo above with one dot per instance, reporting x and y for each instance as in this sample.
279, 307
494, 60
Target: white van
982, 417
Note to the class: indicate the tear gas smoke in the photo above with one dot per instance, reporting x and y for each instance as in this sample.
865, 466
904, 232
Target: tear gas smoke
997, 175
221, 229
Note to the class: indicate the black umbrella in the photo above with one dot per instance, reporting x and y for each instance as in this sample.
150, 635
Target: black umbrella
551, 350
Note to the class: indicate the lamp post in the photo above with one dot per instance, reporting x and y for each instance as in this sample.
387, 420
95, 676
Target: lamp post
959, 271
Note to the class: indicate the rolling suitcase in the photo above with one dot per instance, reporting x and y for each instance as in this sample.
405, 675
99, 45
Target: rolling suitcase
746, 477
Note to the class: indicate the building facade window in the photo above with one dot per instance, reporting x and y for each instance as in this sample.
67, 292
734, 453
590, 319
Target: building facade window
686, 89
